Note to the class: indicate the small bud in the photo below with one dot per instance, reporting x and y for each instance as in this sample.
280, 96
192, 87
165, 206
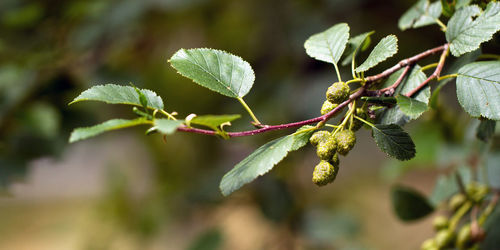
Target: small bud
326, 149
345, 141
444, 238
456, 201
476, 191
319, 136
327, 107
338, 92
357, 124
324, 173
440, 222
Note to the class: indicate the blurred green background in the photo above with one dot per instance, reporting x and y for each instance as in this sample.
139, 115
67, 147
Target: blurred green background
125, 190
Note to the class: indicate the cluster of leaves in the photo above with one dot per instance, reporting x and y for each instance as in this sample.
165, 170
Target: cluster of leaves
229, 75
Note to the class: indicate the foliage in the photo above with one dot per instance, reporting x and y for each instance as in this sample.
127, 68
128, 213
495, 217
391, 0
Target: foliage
387, 101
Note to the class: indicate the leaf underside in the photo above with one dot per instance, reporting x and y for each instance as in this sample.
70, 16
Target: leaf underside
261, 161
386, 48
166, 126
216, 70
478, 89
421, 14
411, 107
114, 124
329, 45
359, 42
470, 26
118, 94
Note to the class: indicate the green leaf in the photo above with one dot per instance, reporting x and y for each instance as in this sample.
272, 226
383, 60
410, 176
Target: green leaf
216, 70
87, 132
359, 42
448, 8
328, 45
394, 141
117, 94
478, 89
411, 107
262, 160
452, 69
421, 14
394, 115
486, 130
166, 126
386, 48
213, 121
468, 27
408, 204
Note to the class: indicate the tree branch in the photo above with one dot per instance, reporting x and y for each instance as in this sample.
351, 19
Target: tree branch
361, 92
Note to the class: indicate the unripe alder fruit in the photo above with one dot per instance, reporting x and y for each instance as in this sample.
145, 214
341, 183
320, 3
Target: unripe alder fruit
327, 107
440, 222
326, 149
324, 173
319, 136
444, 238
429, 244
456, 201
464, 237
345, 141
338, 92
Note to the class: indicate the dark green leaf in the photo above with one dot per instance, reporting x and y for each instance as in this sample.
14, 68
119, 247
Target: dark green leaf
478, 89
448, 8
213, 121
470, 26
386, 48
394, 141
411, 107
117, 94
84, 133
421, 14
485, 130
211, 239
355, 44
262, 160
408, 204
216, 70
328, 45
166, 126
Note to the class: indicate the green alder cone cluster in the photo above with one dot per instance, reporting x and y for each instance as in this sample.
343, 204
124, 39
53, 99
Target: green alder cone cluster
459, 205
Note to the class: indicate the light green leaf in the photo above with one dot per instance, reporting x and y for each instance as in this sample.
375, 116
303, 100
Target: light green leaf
166, 126
117, 94
216, 70
84, 133
486, 130
359, 42
213, 121
262, 160
394, 141
468, 27
478, 89
421, 14
386, 48
409, 204
411, 107
328, 45
394, 115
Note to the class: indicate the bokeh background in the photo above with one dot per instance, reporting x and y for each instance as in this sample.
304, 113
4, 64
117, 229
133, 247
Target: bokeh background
126, 190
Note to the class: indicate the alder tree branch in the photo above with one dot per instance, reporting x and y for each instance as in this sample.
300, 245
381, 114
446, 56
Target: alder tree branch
407, 63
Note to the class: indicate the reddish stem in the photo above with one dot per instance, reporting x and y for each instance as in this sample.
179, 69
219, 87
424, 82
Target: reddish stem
354, 96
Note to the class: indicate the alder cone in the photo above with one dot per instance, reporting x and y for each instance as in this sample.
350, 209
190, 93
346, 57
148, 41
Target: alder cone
338, 92
324, 173
345, 141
